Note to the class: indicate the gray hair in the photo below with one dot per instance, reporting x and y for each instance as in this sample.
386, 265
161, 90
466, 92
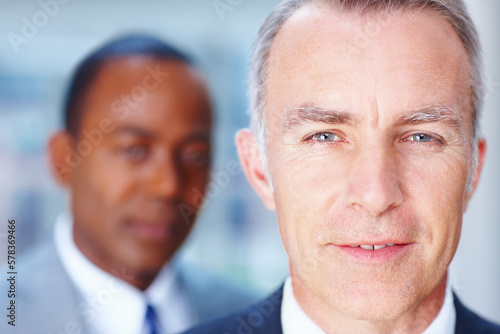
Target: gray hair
453, 10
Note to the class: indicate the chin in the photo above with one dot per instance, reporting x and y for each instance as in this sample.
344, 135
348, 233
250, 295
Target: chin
372, 304
147, 261
375, 311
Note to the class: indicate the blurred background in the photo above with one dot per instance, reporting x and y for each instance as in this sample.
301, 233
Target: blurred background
235, 235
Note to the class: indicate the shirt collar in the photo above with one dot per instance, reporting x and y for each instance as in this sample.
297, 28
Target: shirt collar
111, 305
295, 321
447, 316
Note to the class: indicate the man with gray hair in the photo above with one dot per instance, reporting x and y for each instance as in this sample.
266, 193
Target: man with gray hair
365, 141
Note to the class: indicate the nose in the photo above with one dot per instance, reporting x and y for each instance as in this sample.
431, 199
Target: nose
165, 179
373, 181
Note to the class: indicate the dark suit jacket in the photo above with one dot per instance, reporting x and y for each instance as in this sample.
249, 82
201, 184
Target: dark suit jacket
264, 317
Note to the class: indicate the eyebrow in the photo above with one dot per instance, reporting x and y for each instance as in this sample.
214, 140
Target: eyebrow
312, 114
432, 114
134, 131
137, 131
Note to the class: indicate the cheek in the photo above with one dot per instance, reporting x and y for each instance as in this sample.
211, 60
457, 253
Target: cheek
438, 184
106, 182
198, 184
436, 190
305, 189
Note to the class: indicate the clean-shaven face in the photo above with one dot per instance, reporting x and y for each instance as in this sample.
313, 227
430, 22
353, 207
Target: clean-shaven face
373, 149
127, 193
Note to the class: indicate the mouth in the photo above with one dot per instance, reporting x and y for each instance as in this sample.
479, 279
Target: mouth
375, 252
372, 247
153, 231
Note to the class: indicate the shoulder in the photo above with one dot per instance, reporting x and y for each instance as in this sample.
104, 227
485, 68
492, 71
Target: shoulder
39, 268
39, 260
470, 322
261, 317
41, 280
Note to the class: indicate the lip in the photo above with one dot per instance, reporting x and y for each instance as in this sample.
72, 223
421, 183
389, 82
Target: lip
375, 256
152, 231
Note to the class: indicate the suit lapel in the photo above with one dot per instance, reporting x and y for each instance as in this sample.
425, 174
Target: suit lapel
469, 322
268, 312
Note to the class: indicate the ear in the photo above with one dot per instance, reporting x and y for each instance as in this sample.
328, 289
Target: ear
58, 148
481, 153
251, 162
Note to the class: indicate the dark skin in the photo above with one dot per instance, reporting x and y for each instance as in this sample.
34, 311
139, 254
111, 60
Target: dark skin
128, 195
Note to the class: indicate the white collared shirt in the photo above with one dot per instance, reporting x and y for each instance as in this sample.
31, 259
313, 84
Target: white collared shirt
109, 304
295, 321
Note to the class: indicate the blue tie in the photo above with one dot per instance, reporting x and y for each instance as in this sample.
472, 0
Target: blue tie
152, 320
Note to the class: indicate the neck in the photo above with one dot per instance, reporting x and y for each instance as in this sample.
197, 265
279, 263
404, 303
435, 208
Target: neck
140, 279
415, 320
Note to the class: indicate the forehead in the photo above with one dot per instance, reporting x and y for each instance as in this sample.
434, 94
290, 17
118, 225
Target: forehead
148, 91
343, 60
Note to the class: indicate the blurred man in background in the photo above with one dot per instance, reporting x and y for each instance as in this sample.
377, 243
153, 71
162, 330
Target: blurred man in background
134, 157
369, 151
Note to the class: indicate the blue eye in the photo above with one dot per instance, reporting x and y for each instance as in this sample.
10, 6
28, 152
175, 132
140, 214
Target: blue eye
421, 138
324, 136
